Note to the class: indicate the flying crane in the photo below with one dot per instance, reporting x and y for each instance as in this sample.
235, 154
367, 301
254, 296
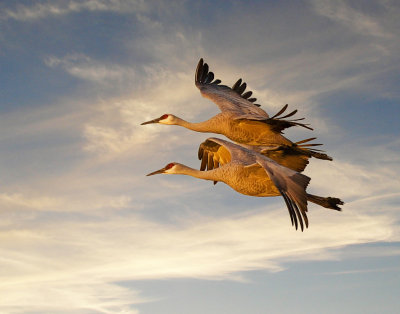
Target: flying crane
251, 173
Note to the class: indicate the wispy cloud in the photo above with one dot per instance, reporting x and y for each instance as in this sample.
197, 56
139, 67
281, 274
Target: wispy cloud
69, 295
57, 8
341, 11
54, 204
84, 67
363, 271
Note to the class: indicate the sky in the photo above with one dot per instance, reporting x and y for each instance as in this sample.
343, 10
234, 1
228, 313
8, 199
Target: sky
83, 230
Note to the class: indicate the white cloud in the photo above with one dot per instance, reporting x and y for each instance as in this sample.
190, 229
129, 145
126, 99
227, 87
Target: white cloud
54, 204
69, 296
84, 67
53, 258
16, 200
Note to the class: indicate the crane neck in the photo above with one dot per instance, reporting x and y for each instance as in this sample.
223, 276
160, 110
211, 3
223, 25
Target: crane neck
205, 175
207, 126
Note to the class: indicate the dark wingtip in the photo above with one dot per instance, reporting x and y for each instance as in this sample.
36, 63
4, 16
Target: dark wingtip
203, 75
199, 70
246, 95
237, 84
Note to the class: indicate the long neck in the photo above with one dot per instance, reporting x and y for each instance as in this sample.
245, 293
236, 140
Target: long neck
208, 126
205, 175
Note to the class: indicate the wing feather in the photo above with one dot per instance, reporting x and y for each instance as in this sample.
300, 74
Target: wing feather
276, 122
204, 72
213, 154
237, 84
226, 98
235, 101
204, 159
246, 95
241, 89
209, 78
210, 162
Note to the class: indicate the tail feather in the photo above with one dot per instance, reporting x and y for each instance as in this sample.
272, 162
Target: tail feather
327, 202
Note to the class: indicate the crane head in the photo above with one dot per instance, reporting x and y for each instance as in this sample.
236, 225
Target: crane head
164, 119
167, 169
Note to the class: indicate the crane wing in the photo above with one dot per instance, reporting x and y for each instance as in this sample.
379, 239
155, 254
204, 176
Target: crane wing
238, 102
294, 156
287, 156
213, 154
227, 99
292, 186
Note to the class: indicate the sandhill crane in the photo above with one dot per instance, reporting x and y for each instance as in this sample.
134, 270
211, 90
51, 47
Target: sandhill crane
253, 174
242, 121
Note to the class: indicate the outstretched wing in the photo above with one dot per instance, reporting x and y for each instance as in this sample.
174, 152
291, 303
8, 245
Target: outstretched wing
238, 102
227, 99
292, 186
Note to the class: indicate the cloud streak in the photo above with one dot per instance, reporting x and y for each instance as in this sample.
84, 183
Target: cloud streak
57, 8
85, 68
340, 11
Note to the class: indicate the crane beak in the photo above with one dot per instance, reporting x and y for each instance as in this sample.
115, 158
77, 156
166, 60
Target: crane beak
156, 172
151, 121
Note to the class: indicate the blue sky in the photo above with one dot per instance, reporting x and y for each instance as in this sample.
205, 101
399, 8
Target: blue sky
82, 230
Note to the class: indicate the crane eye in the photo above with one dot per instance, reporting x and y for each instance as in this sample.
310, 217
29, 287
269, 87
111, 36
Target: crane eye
169, 166
164, 116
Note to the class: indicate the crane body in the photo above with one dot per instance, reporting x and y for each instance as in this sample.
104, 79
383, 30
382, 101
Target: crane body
244, 131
